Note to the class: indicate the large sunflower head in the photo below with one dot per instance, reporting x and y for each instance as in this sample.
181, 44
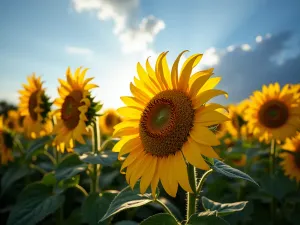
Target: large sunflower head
273, 113
76, 108
35, 107
166, 123
6, 144
13, 121
107, 122
291, 161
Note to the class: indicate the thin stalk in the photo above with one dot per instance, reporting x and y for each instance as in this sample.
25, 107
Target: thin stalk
81, 189
52, 159
96, 148
37, 168
166, 209
203, 178
272, 171
191, 197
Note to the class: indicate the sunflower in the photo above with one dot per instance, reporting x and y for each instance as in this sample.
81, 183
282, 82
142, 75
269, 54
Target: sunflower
291, 161
166, 124
76, 109
107, 122
13, 121
6, 144
35, 107
237, 121
273, 114
241, 161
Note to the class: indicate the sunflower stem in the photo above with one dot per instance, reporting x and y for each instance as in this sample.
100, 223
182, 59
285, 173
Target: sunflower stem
191, 197
202, 180
52, 159
166, 208
81, 189
272, 172
96, 149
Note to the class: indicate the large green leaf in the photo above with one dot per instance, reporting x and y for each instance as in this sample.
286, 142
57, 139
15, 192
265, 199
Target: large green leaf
95, 206
37, 146
278, 186
11, 175
127, 199
35, 202
105, 158
207, 218
126, 222
222, 209
160, 219
75, 218
228, 171
69, 167
49, 179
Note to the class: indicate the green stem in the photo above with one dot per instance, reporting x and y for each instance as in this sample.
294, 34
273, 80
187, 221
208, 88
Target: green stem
272, 172
82, 190
96, 148
203, 178
37, 168
166, 208
52, 159
191, 197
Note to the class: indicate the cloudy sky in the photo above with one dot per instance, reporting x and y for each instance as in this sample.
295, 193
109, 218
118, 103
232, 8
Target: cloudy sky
249, 42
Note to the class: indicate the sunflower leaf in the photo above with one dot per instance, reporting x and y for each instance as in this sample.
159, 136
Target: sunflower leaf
228, 171
222, 209
126, 199
37, 145
94, 207
160, 218
70, 166
207, 218
34, 203
106, 158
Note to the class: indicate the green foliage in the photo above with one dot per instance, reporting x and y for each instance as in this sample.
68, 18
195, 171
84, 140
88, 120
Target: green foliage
126, 199
160, 219
207, 218
222, 209
37, 147
228, 171
70, 166
105, 158
95, 206
11, 175
35, 202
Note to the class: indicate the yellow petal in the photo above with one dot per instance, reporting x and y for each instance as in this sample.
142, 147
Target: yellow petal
210, 118
148, 176
129, 112
155, 179
211, 83
205, 96
139, 94
172, 173
174, 71
205, 150
181, 172
163, 169
126, 131
194, 157
204, 136
197, 84
187, 70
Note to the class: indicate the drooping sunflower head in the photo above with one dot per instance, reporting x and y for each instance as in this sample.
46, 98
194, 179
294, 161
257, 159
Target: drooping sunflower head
35, 107
166, 123
107, 122
76, 108
6, 144
13, 121
273, 113
237, 121
291, 161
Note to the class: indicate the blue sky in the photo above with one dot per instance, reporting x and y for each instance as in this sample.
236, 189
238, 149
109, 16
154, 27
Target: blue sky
248, 42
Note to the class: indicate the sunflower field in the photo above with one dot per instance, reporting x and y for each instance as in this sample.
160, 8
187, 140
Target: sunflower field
169, 156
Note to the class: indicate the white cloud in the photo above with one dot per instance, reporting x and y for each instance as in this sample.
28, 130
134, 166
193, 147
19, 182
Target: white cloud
258, 39
134, 36
73, 50
244, 71
246, 47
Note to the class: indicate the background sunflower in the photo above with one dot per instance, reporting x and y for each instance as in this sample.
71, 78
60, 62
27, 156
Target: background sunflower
108, 120
6, 144
273, 113
35, 107
76, 108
